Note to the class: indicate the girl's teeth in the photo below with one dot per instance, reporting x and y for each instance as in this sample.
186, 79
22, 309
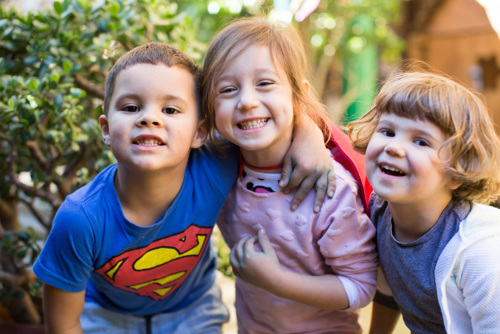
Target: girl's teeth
252, 124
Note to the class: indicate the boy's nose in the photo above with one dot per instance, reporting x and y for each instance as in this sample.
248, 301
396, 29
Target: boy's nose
248, 100
148, 118
394, 149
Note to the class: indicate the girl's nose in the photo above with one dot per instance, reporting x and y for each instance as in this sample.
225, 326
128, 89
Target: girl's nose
149, 118
247, 100
395, 149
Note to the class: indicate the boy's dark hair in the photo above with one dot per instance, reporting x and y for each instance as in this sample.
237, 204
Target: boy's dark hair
153, 53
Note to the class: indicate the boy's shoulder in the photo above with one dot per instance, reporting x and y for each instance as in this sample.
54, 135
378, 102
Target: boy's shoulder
94, 188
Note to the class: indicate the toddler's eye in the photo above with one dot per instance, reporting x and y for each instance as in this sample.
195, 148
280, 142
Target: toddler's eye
170, 110
388, 133
131, 108
421, 142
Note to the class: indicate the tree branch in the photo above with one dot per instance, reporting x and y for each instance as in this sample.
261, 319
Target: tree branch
36, 153
89, 87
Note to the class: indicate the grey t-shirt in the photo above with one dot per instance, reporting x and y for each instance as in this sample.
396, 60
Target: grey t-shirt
409, 267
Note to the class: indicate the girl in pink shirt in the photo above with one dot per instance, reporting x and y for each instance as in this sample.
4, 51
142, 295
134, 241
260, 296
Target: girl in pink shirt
297, 271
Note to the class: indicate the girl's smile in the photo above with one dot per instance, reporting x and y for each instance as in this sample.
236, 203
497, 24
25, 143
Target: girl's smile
254, 106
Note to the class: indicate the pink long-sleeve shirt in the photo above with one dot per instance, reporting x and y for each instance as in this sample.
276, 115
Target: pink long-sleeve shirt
338, 240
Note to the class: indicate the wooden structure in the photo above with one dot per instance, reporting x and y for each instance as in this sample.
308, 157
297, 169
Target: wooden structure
456, 37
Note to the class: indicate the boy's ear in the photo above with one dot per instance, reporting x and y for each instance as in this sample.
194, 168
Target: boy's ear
201, 134
103, 121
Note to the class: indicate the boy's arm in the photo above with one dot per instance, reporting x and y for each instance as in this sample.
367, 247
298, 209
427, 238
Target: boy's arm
308, 164
62, 310
263, 270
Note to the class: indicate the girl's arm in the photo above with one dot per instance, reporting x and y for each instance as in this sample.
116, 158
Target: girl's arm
62, 310
262, 269
307, 164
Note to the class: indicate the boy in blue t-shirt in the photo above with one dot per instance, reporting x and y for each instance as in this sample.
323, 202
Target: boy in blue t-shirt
130, 250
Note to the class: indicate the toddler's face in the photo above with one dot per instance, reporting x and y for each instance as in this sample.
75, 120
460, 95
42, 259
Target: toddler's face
254, 104
402, 162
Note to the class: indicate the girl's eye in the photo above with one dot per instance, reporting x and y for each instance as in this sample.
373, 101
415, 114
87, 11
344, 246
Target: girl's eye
131, 108
265, 83
170, 110
227, 90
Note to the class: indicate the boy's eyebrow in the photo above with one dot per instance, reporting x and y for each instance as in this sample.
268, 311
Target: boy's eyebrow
168, 97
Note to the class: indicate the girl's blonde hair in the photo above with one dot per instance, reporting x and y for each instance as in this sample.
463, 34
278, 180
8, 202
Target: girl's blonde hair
415, 91
287, 49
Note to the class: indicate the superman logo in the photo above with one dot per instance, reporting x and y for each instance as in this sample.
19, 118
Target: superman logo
158, 269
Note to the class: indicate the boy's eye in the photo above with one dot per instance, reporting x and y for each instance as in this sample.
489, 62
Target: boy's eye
170, 110
131, 108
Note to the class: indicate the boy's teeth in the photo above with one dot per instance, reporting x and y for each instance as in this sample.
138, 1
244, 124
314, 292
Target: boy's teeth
148, 142
252, 124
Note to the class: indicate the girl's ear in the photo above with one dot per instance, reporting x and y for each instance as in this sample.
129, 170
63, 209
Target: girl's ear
201, 134
103, 121
307, 86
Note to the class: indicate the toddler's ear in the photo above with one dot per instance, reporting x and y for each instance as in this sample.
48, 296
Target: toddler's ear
103, 121
454, 184
201, 134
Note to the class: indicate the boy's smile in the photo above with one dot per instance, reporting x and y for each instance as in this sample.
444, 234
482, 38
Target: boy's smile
153, 121
402, 162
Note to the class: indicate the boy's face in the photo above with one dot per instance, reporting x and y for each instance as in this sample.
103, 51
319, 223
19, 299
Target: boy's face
152, 121
254, 103
402, 162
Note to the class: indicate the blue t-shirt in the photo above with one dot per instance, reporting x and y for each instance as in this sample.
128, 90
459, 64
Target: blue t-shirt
134, 269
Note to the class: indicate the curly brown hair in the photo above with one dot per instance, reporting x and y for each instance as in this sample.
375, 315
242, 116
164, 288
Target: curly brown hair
417, 91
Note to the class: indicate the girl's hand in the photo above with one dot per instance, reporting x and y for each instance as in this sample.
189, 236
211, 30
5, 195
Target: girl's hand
255, 267
307, 164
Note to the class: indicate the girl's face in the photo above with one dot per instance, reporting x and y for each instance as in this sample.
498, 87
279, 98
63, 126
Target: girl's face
254, 106
402, 162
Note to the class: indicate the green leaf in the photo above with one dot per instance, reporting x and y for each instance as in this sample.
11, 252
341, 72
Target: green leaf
58, 7
30, 60
114, 9
55, 77
67, 66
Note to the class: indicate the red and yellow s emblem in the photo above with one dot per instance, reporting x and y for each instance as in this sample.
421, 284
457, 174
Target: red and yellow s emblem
158, 269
